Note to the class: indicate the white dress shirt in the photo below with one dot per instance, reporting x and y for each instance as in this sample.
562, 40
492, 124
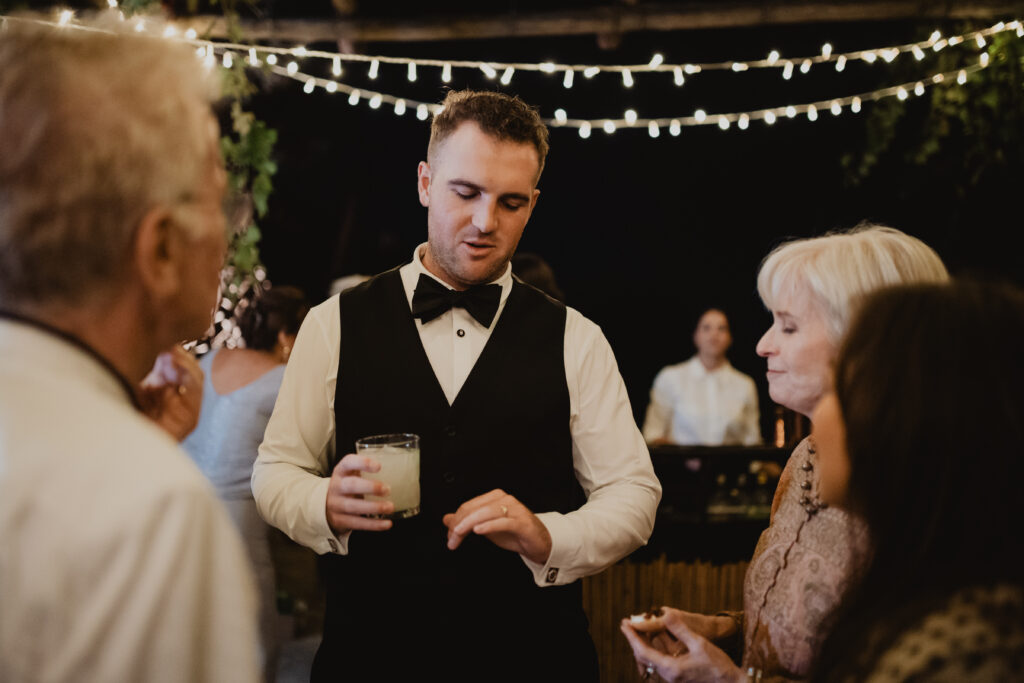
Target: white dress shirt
693, 405
118, 563
610, 457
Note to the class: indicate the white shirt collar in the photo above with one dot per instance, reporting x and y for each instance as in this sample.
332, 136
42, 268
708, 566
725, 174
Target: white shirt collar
505, 279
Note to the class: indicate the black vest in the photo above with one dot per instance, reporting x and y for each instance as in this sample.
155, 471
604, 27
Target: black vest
508, 428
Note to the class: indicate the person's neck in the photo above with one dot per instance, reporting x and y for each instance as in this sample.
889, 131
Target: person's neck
711, 363
114, 330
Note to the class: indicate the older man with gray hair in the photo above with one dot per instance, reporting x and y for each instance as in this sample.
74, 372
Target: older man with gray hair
118, 563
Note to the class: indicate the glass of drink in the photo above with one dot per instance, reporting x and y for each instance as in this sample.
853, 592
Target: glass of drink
399, 458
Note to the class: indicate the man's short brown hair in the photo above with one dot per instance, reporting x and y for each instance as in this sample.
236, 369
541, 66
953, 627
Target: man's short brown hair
505, 117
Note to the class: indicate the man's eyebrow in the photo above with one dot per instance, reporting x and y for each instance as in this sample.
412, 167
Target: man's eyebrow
477, 188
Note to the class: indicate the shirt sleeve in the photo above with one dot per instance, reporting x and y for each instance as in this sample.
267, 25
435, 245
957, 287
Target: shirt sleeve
291, 473
751, 417
658, 421
611, 461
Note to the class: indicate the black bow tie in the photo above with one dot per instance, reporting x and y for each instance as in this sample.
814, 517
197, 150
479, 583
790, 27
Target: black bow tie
431, 299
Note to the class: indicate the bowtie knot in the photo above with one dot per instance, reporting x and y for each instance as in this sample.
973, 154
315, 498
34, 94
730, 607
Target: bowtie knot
432, 299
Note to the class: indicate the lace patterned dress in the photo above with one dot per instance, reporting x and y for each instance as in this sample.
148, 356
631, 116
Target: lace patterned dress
805, 561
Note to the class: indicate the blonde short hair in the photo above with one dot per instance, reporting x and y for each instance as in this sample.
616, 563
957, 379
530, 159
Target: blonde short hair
839, 269
96, 128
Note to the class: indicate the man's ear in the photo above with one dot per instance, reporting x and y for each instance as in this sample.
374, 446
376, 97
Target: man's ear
423, 182
153, 255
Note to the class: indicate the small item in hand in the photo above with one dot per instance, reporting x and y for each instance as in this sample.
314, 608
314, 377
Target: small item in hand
649, 620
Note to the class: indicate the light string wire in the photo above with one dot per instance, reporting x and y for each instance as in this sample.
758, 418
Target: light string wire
935, 42
742, 119
207, 51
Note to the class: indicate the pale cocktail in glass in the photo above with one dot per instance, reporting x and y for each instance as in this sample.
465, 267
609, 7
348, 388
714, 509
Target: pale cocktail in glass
399, 458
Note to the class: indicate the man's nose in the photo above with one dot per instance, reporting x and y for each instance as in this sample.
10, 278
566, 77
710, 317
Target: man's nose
485, 218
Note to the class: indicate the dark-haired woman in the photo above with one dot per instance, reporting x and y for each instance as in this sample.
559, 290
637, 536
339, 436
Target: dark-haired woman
922, 439
240, 389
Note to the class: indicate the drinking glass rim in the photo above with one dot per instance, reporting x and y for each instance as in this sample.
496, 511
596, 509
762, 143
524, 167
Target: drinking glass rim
397, 440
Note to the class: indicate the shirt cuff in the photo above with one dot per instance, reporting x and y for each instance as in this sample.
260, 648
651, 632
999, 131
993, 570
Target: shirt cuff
328, 542
557, 571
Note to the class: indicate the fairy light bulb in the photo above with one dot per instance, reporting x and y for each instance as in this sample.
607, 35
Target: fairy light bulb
585, 130
723, 123
627, 78
812, 113
980, 40
955, 40
112, 4
769, 117
652, 129
300, 51
309, 87
567, 79
934, 36
506, 77
630, 117
293, 68
773, 57
656, 61
677, 76
253, 59
331, 87
1020, 30
411, 72
488, 70
336, 66
917, 52
353, 98
692, 69
983, 59
210, 60
739, 66
869, 57
938, 78
805, 66
855, 105
743, 122
901, 94
227, 60
700, 115
939, 45
399, 107
271, 59
890, 55
787, 71
375, 101
190, 34
171, 32
421, 112
674, 128
446, 73
373, 70
919, 88
548, 67
790, 111
836, 108
961, 77
826, 50
561, 117
140, 25
591, 71
609, 126
840, 62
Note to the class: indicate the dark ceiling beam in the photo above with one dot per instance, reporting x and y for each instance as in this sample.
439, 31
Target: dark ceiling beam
604, 20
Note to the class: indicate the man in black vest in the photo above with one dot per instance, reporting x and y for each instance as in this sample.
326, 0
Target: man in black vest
533, 472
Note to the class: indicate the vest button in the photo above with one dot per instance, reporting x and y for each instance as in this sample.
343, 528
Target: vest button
450, 430
461, 333
449, 477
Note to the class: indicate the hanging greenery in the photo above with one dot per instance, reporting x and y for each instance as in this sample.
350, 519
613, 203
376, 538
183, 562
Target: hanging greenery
967, 132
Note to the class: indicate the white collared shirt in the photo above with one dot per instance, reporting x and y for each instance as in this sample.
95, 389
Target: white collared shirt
118, 563
691, 405
610, 457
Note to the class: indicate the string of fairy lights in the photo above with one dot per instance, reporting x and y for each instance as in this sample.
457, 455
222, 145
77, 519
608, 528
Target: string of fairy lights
299, 63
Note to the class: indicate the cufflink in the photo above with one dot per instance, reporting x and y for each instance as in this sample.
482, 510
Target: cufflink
552, 575
333, 544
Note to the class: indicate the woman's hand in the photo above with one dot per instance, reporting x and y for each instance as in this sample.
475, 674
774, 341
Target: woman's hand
694, 658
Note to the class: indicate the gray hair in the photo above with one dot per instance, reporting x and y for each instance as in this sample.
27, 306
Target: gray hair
839, 269
96, 129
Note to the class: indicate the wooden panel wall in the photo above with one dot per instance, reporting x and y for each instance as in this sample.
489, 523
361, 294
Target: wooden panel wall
630, 587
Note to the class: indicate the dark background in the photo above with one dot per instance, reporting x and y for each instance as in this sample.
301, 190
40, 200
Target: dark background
643, 234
